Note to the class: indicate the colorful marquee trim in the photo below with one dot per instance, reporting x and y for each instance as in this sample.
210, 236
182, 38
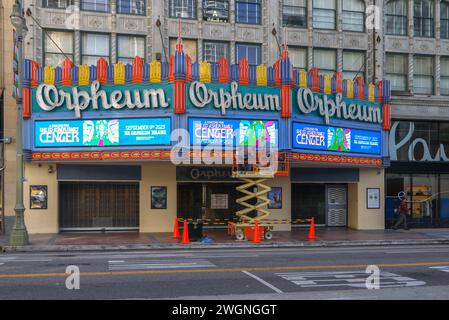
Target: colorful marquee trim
309, 157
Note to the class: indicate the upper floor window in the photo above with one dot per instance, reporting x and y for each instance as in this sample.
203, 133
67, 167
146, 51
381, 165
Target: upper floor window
354, 15
54, 43
396, 17
444, 80
396, 71
423, 75
294, 13
325, 60
57, 4
94, 46
185, 9
95, 5
216, 10
353, 64
423, 18
248, 11
136, 7
324, 13
298, 57
213, 51
249, 51
189, 46
129, 47
444, 17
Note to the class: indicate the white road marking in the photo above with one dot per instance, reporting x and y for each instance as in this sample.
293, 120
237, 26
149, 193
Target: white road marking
441, 268
262, 281
159, 264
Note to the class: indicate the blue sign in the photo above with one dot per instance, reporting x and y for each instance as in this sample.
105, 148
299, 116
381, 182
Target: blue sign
102, 132
230, 132
326, 138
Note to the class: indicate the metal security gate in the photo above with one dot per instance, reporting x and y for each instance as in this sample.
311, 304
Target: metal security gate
337, 205
98, 206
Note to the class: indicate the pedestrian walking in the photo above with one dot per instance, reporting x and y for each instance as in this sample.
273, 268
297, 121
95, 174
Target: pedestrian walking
403, 213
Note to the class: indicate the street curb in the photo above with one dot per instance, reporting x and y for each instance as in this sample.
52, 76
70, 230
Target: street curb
236, 245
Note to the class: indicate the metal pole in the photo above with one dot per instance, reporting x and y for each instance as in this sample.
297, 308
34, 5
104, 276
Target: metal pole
19, 233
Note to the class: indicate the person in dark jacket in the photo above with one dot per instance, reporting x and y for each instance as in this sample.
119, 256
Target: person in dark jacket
404, 212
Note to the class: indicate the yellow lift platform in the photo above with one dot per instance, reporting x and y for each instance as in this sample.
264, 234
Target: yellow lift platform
253, 177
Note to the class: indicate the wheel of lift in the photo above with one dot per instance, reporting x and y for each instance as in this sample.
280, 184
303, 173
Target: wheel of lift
239, 235
268, 235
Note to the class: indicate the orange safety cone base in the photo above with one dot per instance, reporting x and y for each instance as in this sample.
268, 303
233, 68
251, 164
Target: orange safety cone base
312, 235
176, 234
185, 234
256, 238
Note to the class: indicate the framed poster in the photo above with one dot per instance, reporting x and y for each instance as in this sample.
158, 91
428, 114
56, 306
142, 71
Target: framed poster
275, 197
38, 197
373, 198
219, 201
158, 197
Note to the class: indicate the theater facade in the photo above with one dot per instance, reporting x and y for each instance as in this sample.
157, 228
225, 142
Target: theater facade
101, 144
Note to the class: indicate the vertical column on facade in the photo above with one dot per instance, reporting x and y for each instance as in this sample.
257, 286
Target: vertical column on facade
77, 36
310, 34
113, 31
164, 21
379, 46
370, 53
411, 44
233, 32
149, 38
265, 21
38, 35
275, 20
438, 48
339, 28
200, 30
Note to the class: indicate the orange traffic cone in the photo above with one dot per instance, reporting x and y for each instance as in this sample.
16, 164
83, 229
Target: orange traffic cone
185, 234
176, 234
256, 232
312, 235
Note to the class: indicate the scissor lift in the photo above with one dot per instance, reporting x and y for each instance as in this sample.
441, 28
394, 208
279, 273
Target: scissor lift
253, 177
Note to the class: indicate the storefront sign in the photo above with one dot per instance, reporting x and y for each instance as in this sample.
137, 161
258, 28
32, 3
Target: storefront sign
204, 174
233, 97
326, 138
230, 132
335, 106
102, 132
77, 99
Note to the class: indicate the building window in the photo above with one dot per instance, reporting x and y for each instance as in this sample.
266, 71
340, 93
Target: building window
324, 13
353, 64
354, 15
423, 76
298, 57
423, 18
294, 13
189, 47
136, 7
185, 9
444, 80
216, 10
248, 11
444, 17
396, 71
95, 5
396, 17
129, 47
325, 60
57, 4
52, 54
94, 47
213, 51
249, 51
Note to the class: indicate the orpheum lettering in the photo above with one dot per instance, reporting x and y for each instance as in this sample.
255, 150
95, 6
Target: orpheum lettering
49, 97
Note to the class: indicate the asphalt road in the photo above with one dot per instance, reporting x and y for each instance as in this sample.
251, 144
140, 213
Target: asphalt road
412, 272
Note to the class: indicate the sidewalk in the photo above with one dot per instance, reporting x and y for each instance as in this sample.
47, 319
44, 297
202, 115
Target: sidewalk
329, 237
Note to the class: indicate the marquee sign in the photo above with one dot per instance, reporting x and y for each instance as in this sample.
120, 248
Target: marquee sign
102, 132
327, 138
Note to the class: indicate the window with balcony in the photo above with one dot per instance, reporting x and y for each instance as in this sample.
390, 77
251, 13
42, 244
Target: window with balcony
444, 77
54, 42
184, 9
353, 64
324, 14
189, 46
298, 57
325, 60
213, 51
294, 13
423, 18
248, 11
216, 10
95, 5
95, 46
444, 19
423, 76
396, 70
128, 47
354, 15
57, 4
396, 17
136, 7
252, 52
